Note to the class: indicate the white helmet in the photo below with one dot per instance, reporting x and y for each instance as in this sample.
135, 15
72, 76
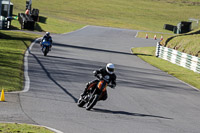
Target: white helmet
47, 33
110, 68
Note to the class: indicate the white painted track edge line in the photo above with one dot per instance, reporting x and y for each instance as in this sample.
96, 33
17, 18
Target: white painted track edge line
26, 76
136, 34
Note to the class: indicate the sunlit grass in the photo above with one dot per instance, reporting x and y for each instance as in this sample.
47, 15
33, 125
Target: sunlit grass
22, 128
186, 75
12, 48
150, 15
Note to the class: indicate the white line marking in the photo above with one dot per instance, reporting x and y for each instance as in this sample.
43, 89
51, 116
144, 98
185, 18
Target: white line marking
26, 76
27, 79
136, 35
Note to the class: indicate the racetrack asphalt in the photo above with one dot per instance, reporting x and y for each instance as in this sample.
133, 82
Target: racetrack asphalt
146, 100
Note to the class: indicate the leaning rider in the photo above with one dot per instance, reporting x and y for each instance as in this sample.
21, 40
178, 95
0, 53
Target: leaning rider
108, 70
48, 38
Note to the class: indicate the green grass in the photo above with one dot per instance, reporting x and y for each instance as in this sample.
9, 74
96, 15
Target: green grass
187, 43
51, 25
186, 75
65, 15
149, 15
68, 15
58, 26
12, 48
152, 34
22, 128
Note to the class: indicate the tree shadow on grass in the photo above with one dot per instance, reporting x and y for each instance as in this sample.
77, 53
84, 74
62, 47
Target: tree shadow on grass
42, 19
38, 27
8, 37
13, 27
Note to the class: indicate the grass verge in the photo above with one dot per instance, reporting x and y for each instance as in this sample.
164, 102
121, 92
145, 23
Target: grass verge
12, 48
148, 15
57, 25
187, 43
142, 34
52, 25
22, 128
181, 73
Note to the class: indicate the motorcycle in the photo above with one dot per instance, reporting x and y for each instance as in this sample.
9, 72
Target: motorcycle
95, 93
45, 47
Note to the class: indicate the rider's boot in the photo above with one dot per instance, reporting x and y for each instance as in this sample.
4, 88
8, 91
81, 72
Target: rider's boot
86, 89
84, 93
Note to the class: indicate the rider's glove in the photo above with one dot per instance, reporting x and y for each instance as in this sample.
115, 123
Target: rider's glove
112, 86
95, 73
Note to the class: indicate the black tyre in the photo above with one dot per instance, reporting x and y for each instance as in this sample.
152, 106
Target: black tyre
45, 51
80, 102
92, 102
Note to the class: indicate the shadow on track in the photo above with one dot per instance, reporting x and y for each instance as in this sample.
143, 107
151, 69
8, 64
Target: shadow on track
128, 113
50, 77
95, 49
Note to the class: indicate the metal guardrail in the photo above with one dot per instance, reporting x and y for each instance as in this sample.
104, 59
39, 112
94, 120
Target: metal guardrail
178, 58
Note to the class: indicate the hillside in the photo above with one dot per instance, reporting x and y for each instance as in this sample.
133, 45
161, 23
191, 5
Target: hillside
149, 15
187, 43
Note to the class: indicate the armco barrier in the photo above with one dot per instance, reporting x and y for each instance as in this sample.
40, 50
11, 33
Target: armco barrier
179, 58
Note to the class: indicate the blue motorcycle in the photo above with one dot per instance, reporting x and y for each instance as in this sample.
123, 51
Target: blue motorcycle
45, 47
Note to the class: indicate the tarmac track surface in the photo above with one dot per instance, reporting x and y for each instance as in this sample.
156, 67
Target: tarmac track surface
146, 100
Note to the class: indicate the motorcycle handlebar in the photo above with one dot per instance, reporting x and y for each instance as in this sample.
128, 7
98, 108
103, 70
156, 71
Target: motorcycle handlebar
98, 76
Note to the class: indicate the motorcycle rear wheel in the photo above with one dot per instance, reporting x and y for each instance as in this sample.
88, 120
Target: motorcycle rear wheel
92, 102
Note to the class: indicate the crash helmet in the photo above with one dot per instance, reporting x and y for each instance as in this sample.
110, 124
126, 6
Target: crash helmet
48, 33
110, 68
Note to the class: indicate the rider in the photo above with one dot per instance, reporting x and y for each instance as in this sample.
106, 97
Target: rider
48, 38
108, 70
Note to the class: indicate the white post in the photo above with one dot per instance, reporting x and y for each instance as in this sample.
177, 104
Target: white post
29, 6
8, 22
9, 9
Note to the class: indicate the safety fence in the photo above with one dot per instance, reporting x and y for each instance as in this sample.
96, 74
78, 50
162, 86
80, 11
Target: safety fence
179, 58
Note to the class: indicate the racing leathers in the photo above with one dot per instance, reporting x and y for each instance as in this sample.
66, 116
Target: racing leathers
48, 38
102, 72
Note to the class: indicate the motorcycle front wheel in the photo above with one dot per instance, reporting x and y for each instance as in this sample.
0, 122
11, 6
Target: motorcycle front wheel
92, 102
46, 51
81, 102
